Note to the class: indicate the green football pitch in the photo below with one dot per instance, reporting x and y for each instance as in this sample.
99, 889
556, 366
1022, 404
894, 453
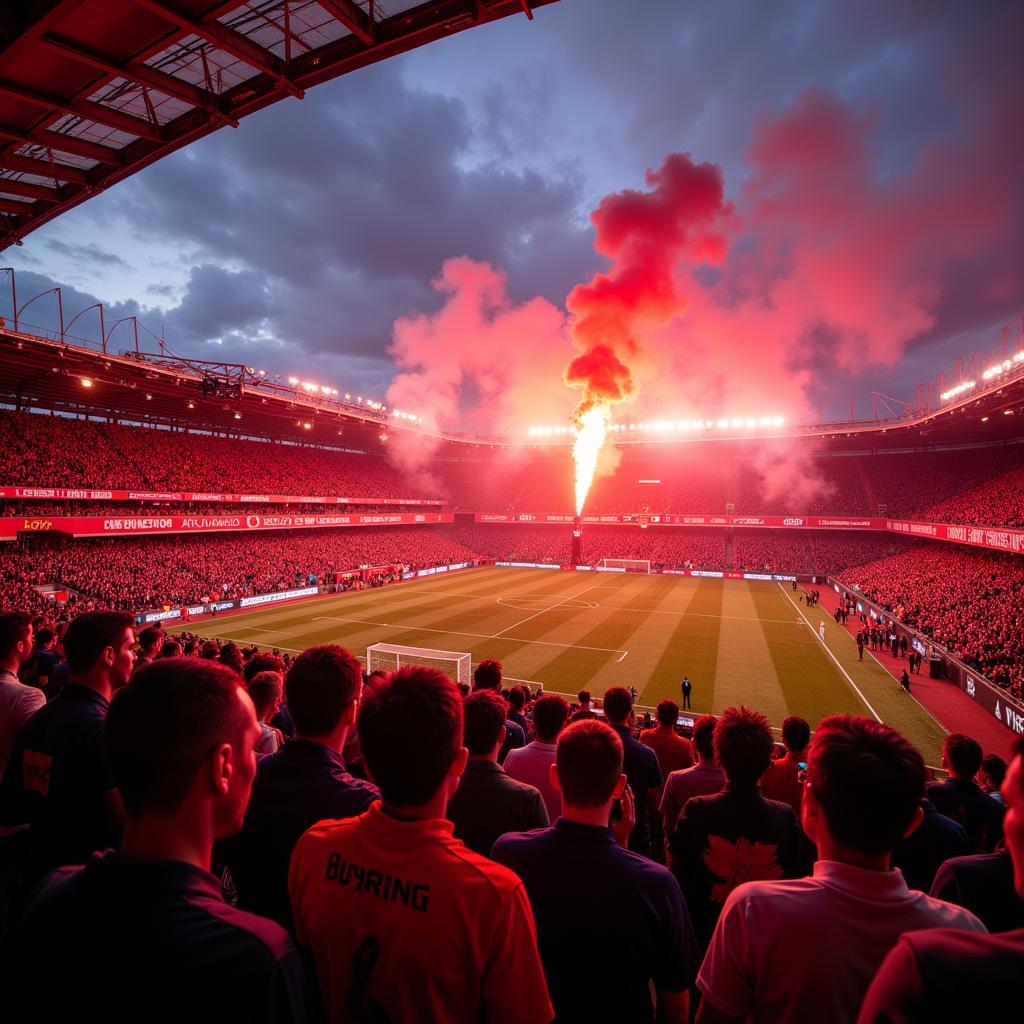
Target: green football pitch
739, 642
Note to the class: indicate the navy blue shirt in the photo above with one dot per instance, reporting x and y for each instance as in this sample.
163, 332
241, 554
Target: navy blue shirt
983, 884
301, 784
515, 738
640, 764
147, 940
58, 781
600, 908
921, 853
965, 801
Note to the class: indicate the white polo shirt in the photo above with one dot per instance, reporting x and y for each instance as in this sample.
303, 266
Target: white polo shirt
807, 949
532, 764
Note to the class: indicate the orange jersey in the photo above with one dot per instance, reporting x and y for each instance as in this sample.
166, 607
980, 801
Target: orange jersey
405, 923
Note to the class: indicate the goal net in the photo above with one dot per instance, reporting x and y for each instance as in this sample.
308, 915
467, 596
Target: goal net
627, 564
389, 657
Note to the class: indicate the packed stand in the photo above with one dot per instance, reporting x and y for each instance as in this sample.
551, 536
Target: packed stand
155, 572
997, 502
407, 849
810, 551
662, 547
55, 451
968, 601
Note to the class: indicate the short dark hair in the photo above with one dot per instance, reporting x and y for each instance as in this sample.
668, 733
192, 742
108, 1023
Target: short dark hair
209, 650
589, 760
704, 736
995, 768
231, 655
175, 712
487, 675
583, 696
264, 689
44, 635
550, 713
410, 730
963, 754
169, 649
743, 745
796, 733
668, 712
484, 715
516, 699
14, 627
618, 703
89, 635
321, 684
262, 661
868, 779
149, 637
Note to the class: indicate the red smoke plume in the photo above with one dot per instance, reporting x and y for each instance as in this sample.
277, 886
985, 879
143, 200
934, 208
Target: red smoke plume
645, 235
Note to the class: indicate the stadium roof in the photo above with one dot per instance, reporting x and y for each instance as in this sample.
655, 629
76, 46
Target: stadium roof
163, 388
92, 91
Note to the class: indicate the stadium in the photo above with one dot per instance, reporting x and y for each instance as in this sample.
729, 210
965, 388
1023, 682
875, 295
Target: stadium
241, 518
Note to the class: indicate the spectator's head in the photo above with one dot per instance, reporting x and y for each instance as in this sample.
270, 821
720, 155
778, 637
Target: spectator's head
149, 641
992, 774
16, 638
961, 756
668, 713
265, 689
584, 698
796, 734
550, 714
261, 661
210, 650
45, 637
410, 728
588, 765
169, 649
1013, 821
618, 705
743, 745
98, 646
516, 699
484, 715
231, 656
179, 741
864, 787
487, 675
322, 692
704, 737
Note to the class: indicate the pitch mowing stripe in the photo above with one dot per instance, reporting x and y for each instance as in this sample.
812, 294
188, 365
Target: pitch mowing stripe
691, 649
744, 672
607, 627
812, 686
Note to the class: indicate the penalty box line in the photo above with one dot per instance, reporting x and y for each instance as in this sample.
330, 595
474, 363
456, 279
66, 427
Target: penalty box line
478, 636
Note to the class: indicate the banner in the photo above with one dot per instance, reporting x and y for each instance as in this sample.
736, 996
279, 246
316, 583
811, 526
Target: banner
997, 538
124, 526
218, 497
675, 519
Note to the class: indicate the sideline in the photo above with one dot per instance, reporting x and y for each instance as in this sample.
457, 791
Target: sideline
828, 651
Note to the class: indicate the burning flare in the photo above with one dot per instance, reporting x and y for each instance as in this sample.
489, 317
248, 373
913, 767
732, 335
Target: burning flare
591, 430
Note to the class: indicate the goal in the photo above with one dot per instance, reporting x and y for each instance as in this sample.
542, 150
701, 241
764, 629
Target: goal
627, 564
390, 657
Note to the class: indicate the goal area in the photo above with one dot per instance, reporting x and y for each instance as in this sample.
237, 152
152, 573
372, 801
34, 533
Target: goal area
627, 564
390, 657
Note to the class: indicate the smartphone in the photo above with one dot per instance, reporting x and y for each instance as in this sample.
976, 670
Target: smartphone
802, 765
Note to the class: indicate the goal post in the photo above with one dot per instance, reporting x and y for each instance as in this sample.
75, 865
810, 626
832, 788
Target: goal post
627, 564
390, 657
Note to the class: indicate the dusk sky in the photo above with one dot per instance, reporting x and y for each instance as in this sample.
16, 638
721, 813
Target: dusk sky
428, 217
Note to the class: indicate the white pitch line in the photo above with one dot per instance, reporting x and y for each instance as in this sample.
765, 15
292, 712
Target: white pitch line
459, 632
558, 604
828, 651
702, 615
621, 656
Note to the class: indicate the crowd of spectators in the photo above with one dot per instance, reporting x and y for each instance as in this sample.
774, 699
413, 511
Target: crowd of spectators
387, 861
823, 552
968, 600
154, 572
56, 451
553, 544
